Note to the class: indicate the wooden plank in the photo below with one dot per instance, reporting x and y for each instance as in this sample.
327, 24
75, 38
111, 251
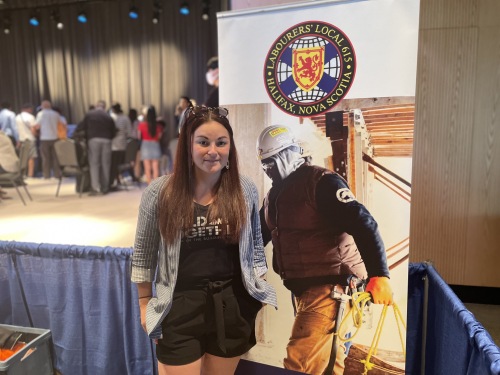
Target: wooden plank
389, 124
357, 353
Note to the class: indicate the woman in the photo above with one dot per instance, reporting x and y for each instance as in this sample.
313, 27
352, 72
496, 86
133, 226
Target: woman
208, 251
150, 133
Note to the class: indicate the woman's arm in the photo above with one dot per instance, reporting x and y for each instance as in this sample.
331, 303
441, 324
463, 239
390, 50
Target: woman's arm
259, 256
145, 292
147, 237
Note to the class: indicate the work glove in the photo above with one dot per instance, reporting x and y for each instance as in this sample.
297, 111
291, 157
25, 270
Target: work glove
380, 289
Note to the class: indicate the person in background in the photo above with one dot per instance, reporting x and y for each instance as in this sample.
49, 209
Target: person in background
324, 242
119, 143
62, 127
166, 163
180, 110
9, 161
61, 117
198, 238
26, 125
150, 134
133, 116
134, 122
46, 122
143, 113
8, 123
99, 128
212, 77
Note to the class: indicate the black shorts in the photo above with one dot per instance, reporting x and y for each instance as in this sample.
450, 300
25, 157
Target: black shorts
216, 318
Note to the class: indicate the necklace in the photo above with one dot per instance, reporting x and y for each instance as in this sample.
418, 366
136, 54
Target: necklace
210, 201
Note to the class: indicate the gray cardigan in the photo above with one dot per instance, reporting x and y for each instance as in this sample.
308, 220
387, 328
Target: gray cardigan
152, 257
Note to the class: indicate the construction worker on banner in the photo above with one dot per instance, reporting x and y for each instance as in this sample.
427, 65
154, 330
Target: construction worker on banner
324, 242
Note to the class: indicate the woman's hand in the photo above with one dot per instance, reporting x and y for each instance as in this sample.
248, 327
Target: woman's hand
143, 303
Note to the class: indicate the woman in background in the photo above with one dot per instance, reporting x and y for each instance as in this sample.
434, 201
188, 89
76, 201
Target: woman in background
150, 134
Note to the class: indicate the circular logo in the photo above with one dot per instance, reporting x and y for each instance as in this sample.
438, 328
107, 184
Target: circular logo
309, 68
344, 195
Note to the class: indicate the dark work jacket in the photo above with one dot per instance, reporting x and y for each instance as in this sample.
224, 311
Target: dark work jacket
305, 245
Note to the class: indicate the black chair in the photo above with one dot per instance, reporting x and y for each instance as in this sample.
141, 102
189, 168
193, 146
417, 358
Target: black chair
129, 162
16, 179
68, 161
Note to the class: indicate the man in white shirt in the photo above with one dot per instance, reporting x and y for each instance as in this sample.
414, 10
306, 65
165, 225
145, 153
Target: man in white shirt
25, 122
8, 123
46, 121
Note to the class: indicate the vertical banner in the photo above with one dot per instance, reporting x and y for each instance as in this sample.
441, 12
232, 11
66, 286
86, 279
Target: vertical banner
321, 99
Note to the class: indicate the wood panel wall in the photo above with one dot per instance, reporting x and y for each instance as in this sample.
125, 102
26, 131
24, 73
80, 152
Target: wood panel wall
455, 211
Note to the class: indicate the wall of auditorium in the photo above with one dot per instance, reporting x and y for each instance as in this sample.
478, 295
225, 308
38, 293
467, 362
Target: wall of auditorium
455, 214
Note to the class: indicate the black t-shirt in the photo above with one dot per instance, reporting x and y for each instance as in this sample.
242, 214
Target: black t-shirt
204, 252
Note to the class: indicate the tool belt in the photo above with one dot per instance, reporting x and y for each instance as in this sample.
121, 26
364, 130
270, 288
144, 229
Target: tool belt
354, 285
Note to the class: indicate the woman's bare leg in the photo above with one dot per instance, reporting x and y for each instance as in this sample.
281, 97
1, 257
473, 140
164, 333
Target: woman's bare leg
156, 168
147, 170
213, 365
193, 368
31, 167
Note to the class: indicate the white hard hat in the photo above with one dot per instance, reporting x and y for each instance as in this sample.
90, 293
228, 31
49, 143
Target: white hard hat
273, 139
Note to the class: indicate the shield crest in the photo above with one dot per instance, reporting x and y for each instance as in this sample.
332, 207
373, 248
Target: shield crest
308, 66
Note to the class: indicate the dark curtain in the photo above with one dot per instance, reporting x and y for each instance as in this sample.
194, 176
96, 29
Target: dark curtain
111, 57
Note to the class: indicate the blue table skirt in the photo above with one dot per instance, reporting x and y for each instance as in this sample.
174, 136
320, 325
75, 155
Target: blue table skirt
84, 296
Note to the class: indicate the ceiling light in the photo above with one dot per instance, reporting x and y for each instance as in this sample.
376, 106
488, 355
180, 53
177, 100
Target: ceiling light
57, 19
6, 25
133, 13
34, 21
205, 15
157, 9
184, 9
82, 17
156, 17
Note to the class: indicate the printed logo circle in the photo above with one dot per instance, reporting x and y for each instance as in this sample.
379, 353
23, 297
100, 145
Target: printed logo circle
344, 195
309, 68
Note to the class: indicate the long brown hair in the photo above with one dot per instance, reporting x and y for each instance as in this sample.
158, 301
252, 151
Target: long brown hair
176, 198
151, 120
